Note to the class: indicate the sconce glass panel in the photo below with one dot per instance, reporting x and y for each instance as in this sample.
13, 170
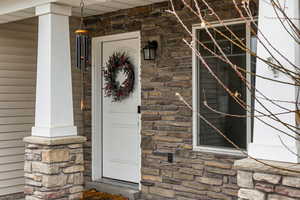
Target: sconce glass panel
150, 50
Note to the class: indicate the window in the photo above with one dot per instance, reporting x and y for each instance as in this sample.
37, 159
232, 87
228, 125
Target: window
207, 89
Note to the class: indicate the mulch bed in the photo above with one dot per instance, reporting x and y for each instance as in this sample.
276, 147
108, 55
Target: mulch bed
94, 195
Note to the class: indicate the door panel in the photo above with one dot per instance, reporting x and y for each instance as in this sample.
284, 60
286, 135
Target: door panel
120, 120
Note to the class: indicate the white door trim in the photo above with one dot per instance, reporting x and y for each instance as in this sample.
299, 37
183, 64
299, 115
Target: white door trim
97, 67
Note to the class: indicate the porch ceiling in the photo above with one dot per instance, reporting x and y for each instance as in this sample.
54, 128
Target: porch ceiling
14, 10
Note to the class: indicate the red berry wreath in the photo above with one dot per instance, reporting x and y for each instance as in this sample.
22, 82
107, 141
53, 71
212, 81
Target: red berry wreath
117, 63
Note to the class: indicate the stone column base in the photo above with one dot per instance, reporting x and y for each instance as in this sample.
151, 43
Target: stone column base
54, 167
261, 182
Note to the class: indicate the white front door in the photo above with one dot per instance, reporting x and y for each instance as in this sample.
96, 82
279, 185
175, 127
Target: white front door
120, 120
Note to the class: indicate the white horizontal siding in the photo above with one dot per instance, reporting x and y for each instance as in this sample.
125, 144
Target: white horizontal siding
16, 112
12, 159
18, 54
17, 97
11, 151
12, 189
5, 167
17, 74
16, 120
15, 127
12, 175
13, 181
17, 66
11, 143
17, 81
16, 135
13, 43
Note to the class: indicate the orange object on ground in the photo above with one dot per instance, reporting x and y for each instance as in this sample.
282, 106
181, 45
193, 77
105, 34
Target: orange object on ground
94, 195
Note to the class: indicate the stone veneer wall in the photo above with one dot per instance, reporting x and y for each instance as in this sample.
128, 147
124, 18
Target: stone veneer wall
261, 182
54, 168
166, 122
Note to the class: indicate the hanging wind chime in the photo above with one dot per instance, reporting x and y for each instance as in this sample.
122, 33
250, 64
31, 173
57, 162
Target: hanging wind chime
83, 43
83, 55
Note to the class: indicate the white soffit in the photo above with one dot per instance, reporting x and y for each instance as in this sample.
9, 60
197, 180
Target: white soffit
14, 10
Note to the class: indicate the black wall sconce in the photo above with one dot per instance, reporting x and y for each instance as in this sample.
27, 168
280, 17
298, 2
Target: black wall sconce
150, 50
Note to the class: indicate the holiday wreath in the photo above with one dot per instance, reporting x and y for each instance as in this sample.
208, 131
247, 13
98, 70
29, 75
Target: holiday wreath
117, 63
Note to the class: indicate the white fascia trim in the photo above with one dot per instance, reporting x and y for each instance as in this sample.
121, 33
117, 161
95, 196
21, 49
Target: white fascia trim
52, 8
11, 6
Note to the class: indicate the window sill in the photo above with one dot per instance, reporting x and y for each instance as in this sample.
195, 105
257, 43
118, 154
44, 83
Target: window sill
215, 150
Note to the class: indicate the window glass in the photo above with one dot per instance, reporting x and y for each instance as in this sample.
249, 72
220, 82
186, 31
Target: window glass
217, 98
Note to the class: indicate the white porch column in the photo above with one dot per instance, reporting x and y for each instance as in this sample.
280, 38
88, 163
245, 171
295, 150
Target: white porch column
54, 138
54, 104
266, 140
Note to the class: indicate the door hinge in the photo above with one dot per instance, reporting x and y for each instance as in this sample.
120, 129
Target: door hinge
139, 109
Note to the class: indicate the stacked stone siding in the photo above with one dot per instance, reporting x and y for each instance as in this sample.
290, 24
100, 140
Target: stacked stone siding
262, 182
53, 171
192, 176
166, 122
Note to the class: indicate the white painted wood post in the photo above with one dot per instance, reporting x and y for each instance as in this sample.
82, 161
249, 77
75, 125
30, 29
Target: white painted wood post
54, 104
266, 140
